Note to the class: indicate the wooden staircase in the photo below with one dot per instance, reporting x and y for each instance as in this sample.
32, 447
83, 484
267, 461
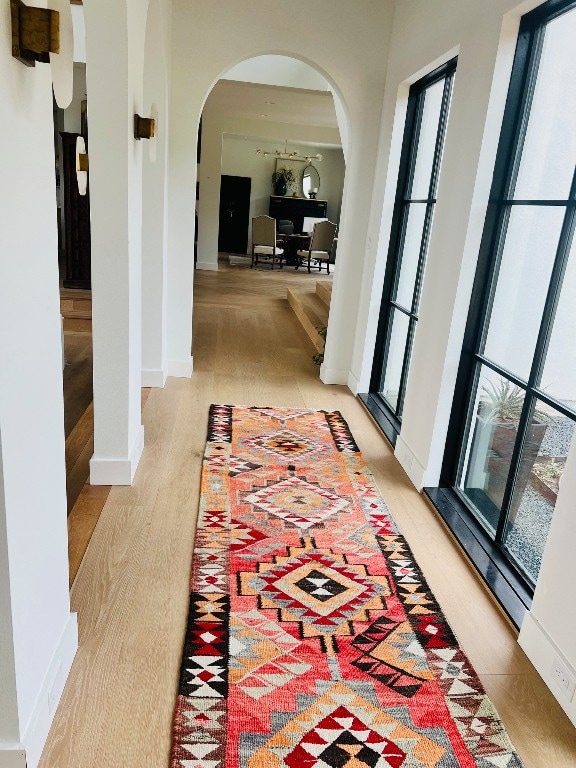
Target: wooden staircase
311, 308
76, 309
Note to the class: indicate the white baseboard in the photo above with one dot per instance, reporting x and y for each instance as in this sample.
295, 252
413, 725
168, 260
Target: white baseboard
542, 651
36, 732
409, 463
154, 377
117, 471
353, 384
181, 369
210, 266
333, 375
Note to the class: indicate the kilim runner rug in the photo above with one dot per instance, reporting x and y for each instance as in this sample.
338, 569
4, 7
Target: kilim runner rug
313, 640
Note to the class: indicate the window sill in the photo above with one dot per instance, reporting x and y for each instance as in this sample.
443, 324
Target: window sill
388, 423
506, 585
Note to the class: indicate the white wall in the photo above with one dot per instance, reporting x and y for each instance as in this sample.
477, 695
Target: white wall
484, 36
38, 637
351, 54
239, 158
72, 114
154, 262
277, 70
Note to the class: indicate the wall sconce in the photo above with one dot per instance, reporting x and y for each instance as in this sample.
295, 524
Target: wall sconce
46, 35
82, 165
35, 33
144, 127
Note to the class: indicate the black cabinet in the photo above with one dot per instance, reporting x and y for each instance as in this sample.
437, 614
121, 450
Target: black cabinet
77, 264
296, 209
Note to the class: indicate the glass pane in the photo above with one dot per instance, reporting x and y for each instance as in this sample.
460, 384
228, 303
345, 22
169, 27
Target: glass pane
491, 436
395, 360
559, 377
549, 153
410, 255
427, 141
541, 465
531, 242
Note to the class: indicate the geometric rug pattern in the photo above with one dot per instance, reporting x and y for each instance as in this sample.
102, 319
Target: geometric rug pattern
313, 640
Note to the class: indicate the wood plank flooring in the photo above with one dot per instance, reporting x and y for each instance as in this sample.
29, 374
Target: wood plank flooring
132, 586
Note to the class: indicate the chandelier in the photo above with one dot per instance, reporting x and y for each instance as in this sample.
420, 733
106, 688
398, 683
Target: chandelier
285, 155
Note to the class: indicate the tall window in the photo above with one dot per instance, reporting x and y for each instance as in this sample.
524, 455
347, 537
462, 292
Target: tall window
426, 119
515, 406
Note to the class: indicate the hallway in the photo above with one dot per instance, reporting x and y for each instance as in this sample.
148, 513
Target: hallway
132, 586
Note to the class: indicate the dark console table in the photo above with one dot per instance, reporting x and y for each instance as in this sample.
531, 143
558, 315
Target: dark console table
296, 209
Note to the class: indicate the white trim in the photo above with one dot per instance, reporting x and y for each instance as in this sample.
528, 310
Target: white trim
117, 471
36, 731
333, 375
410, 463
542, 650
154, 377
181, 369
353, 383
209, 266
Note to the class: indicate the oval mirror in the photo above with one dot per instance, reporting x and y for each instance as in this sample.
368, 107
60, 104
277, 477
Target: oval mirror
310, 182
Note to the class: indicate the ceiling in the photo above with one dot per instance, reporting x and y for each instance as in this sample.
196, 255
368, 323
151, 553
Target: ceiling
276, 104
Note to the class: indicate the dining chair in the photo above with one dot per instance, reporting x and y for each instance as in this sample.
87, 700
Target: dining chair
320, 245
264, 241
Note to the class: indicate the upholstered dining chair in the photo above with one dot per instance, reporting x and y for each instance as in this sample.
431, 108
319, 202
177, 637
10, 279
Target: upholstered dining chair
264, 241
320, 245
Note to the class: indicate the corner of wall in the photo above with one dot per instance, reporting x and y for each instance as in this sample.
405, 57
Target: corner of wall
410, 463
544, 654
47, 702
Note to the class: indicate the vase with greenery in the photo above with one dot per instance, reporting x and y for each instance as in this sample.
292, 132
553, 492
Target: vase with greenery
282, 179
496, 430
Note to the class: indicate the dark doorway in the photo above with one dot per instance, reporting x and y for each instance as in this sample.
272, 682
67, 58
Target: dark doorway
234, 214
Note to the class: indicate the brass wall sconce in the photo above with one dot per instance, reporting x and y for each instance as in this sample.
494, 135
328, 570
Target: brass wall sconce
82, 165
35, 33
144, 127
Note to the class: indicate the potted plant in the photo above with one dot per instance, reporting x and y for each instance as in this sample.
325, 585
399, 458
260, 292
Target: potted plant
282, 179
495, 434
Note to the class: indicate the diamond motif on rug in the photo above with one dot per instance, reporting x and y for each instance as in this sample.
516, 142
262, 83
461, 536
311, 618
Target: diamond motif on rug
284, 445
343, 730
298, 502
293, 584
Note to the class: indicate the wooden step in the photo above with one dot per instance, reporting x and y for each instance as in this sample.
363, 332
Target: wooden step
311, 312
324, 291
78, 324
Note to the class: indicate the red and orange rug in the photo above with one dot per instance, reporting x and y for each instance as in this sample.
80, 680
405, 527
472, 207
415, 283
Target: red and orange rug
313, 640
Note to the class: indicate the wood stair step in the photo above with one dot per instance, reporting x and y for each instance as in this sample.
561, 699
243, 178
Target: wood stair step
324, 291
311, 312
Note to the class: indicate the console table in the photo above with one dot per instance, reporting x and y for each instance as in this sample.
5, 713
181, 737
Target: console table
296, 209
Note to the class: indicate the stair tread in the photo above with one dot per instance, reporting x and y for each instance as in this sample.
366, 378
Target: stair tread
311, 312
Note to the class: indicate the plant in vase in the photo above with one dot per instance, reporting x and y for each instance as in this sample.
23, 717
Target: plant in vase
496, 430
282, 179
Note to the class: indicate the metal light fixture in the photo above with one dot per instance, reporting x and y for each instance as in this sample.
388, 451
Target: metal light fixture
144, 127
82, 165
46, 35
35, 33
294, 155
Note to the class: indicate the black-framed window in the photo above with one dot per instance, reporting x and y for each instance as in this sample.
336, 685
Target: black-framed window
422, 148
514, 408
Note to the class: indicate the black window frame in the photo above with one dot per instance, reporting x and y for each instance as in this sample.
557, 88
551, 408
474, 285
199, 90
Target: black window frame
501, 203
388, 417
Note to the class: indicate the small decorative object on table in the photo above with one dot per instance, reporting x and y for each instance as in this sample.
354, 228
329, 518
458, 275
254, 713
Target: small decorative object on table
282, 179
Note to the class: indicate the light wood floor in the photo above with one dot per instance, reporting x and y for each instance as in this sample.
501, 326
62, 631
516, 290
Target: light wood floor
132, 586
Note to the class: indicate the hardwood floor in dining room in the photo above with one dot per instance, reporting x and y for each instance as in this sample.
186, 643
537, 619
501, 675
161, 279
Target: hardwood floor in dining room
131, 591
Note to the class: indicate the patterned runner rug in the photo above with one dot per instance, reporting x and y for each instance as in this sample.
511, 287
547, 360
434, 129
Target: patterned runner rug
313, 640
